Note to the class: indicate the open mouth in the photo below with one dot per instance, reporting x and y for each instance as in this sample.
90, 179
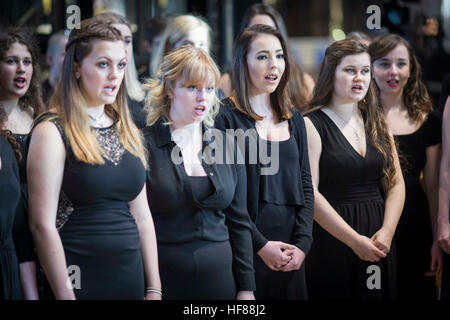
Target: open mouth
271, 77
20, 82
110, 90
200, 109
393, 83
357, 88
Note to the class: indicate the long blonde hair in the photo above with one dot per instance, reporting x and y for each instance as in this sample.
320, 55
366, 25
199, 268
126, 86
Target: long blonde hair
173, 33
191, 65
68, 100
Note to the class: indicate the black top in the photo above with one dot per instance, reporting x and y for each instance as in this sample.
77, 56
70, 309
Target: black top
201, 187
10, 287
279, 188
231, 118
412, 147
182, 217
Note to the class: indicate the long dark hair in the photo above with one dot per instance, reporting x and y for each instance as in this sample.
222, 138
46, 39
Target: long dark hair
415, 94
370, 108
240, 77
298, 90
33, 96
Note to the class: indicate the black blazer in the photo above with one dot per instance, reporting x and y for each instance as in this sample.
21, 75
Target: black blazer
231, 118
180, 218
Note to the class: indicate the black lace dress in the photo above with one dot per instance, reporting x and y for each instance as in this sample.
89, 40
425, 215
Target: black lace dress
100, 237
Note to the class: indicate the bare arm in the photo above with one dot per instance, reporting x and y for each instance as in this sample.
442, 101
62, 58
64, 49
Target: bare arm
443, 224
395, 200
45, 167
29, 280
324, 213
141, 212
431, 182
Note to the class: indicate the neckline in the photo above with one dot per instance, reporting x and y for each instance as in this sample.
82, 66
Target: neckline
410, 134
274, 141
103, 128
346, 140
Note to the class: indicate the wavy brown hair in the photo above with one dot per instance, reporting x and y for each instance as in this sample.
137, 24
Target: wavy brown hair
240, 78
415, 95
33, 96
69, 103
374, 123
298, 90
8, 135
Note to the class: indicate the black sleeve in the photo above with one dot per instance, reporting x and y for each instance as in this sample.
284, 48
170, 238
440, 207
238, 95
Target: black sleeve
239, 227
305, 214
433, 130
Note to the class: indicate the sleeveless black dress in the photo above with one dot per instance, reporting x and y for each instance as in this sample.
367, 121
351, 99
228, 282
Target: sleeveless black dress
413, 254
352, 185
10, 286
100, 237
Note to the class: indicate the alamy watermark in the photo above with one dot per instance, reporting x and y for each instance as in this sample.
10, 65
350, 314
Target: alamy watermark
374, 20
374, 280
230, 148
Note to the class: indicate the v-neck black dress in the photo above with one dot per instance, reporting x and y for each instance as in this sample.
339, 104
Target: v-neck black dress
413, 253
352, 185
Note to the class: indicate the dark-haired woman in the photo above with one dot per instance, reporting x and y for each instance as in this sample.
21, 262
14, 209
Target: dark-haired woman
20, 102
352, 157
279, 191
407, 108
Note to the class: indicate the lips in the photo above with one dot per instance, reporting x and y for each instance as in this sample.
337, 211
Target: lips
393, 83
200, 110
357, 88
272, 77
20, 82
110, 90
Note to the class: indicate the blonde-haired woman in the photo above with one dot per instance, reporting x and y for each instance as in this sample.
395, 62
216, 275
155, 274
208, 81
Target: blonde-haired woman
184, 30
135, 92
89, 148
198, 202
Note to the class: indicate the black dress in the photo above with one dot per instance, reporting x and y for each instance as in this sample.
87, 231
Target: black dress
23, 239
280, 197
276, 221
352, 185
100, 238
413, 253
10, 286
202, 224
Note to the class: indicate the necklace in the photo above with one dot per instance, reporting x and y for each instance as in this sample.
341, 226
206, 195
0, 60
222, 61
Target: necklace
96, 119
355, 131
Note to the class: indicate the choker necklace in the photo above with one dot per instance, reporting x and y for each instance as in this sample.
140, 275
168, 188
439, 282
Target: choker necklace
355, 131
96, 119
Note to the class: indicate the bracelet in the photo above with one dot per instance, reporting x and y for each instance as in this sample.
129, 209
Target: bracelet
154, 290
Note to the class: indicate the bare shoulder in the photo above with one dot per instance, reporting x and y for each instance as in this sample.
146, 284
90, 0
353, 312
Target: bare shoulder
314, 140
46, 137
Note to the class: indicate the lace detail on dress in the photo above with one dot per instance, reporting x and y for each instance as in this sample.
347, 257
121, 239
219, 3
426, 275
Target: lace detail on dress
65, 209
112, 148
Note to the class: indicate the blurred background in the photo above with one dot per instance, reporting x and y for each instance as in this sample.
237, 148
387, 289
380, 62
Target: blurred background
311, 25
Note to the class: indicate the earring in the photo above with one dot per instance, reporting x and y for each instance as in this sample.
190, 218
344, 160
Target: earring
77, 75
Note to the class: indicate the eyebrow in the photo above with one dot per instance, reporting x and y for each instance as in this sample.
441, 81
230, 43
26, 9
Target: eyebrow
386, 59
267, 51
17, 57
352, 66
109, 59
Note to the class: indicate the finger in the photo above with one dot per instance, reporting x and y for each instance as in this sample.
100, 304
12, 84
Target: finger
286, 246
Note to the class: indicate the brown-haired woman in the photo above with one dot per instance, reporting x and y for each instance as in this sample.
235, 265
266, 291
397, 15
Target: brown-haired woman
300, 84
279, 191
352, 156
20, 103
417, 132
89, 148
